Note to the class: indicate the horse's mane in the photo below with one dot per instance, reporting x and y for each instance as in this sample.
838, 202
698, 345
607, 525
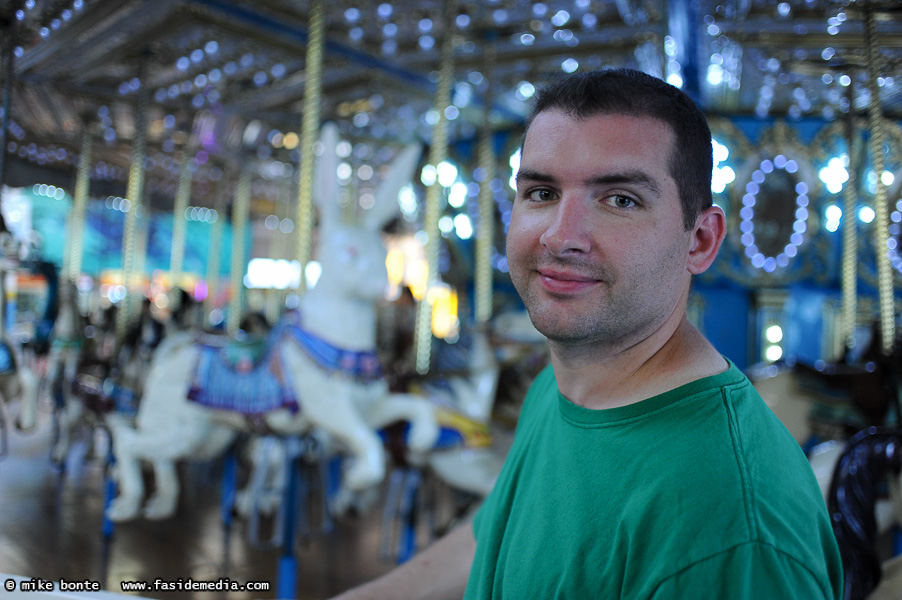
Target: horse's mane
869, 456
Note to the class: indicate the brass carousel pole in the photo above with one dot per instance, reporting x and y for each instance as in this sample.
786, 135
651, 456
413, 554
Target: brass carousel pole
135, 198
309, 131
180, 225
881, 221
485, 232
142, 236
213, 256
274, 297
236, 272
75, 239
850, 237
438, 151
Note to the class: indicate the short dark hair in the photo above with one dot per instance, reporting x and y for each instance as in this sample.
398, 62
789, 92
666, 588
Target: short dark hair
634, 93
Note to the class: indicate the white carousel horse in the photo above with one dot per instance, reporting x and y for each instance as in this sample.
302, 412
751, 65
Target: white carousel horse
466, 406
469, 463
339, 316
17, 380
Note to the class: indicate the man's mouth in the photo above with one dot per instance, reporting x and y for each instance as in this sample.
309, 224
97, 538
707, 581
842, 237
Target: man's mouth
564, 282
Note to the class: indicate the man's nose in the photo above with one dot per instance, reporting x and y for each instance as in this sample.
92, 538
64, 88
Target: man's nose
568, 230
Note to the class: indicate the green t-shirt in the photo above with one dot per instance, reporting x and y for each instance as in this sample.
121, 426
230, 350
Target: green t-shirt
699, 492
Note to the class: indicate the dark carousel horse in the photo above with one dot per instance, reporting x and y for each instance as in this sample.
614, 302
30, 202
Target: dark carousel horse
856, 392
858, 481
39, 344
101, 375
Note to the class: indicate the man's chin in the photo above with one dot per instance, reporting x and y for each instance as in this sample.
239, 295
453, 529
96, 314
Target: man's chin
559, 332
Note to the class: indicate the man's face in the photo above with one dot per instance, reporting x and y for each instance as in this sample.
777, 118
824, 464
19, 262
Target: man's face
596, 244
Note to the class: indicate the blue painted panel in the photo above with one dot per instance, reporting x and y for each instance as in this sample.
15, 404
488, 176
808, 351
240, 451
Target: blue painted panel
804, 324
725, 321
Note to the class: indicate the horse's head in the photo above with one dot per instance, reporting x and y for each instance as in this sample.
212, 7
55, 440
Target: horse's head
352, 256
68, 324
9, 251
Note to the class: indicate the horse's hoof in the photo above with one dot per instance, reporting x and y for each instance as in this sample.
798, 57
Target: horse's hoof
58, 456
243, 504
24, 428
353, 503
364, 475
119, 512
158, 509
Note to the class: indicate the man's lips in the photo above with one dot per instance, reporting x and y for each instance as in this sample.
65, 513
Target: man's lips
563, 282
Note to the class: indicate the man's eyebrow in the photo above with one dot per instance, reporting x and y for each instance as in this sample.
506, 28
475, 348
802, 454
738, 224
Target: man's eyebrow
535, 176
639, 178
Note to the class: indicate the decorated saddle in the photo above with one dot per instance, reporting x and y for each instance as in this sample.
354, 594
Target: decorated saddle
250, 377
247, 377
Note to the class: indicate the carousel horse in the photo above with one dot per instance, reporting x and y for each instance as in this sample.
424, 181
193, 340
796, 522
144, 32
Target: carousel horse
128, 370
871, 459
462, 385
68, 348
17, 380
464, 458
39, 344
833, 400
317, 370
91, 372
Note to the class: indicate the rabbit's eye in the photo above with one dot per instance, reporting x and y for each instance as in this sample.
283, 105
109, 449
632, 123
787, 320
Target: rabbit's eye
350, 253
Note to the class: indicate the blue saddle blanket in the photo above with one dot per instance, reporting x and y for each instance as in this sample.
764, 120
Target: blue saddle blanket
250, 388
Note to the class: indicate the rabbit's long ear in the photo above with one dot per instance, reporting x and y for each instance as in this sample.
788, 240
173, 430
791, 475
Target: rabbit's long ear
402, 171
326, 177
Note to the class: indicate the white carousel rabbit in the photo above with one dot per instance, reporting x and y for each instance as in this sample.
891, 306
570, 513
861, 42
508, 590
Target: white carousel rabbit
339, 313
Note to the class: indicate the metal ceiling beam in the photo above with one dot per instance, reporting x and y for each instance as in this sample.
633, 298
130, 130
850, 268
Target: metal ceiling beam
103, 34
298, 35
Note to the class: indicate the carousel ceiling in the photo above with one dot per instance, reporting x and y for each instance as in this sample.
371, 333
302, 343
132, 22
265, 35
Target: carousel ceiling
234, 70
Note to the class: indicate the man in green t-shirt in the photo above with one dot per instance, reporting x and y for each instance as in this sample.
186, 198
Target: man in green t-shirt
645, 465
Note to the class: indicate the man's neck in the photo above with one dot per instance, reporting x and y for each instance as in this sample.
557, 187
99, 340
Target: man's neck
600, 377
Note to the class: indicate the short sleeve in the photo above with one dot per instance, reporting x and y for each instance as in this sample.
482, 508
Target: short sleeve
749, 572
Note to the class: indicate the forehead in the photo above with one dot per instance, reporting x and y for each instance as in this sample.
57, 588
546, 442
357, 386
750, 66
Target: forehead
630, 137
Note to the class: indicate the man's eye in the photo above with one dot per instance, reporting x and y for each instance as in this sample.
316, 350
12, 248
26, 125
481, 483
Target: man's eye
621, 201
540, 195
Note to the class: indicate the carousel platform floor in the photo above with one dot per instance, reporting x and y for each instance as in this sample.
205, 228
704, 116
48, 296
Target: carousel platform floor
51, 528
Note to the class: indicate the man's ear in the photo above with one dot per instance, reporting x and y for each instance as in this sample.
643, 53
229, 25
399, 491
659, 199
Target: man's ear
707, 235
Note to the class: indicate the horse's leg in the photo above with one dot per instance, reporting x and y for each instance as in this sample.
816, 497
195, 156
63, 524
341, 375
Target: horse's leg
212, 437
127, 503
164, 501
264, 489
28, 399
424, 429
333, 410
70, 414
